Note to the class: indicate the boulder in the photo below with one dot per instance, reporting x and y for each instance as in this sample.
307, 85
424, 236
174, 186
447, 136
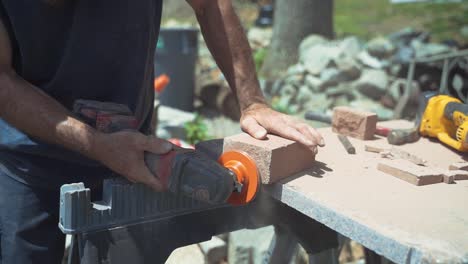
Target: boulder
317, 58
380, 47
350, 46
259, 37
314, 83
366, 59
309, 42
372, 83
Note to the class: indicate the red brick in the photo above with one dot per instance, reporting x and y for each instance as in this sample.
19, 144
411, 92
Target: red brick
276, 158
350, 122
410, 172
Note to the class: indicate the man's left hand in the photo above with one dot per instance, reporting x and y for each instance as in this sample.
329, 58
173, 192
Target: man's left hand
259, 119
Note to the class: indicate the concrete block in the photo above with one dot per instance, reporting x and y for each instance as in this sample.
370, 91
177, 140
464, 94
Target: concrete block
250, 246
410, 172
459, 166
215, 250
276, 157
350, 122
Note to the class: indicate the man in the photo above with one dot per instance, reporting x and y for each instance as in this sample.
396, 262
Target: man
55, 52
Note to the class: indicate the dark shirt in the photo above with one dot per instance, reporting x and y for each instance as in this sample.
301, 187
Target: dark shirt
78, 49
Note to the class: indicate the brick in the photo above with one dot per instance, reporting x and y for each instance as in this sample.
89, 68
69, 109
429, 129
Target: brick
410, 172
459, 166
449, 179
350, 122
276, 158
457, 175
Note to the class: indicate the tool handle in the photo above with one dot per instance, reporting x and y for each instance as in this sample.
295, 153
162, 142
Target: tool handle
315, 116
453, 107
347, 144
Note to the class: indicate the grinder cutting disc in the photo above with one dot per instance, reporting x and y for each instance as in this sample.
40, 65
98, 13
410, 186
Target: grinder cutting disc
247, 174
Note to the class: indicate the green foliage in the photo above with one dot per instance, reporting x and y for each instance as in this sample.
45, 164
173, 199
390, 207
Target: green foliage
259, 57
369, 18
281, 106
196, 130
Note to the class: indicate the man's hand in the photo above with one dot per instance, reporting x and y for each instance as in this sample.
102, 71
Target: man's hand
123, 152
259, 119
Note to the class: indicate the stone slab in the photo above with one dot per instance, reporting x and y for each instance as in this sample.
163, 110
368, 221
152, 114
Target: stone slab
403, 222
275, 157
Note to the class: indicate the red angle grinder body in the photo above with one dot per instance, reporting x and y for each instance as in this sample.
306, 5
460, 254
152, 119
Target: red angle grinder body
233, 178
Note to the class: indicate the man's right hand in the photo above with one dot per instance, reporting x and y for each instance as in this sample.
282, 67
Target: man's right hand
123, 152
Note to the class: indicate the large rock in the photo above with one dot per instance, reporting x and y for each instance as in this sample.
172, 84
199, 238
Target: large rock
380, 47
372, 83
318, 57
366, 59
350, 46
314, 83
304, 95
259, 37
372, 106
309, 42
250, 246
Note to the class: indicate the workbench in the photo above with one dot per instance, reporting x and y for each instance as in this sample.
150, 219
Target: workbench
343, 194
403, 222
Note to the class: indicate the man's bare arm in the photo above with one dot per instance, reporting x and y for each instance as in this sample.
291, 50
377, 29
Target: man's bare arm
32, 111
227, 42
35, 113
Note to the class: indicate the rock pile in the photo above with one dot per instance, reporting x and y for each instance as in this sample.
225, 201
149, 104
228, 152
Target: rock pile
368, 76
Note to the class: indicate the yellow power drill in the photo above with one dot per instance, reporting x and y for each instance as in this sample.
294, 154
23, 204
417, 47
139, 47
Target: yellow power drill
446, 118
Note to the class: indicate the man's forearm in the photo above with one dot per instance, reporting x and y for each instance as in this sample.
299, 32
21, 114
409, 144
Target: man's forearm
37, 114
227, 42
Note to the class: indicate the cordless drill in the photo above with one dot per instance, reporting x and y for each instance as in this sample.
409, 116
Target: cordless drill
233, 178
446, 118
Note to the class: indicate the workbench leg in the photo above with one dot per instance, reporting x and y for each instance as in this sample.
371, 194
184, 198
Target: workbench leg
283, 246
330, 255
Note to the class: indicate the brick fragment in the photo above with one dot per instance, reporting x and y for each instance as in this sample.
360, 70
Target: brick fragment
410, 172
457, 175
459, 166
276, 158
350, 122
449, 179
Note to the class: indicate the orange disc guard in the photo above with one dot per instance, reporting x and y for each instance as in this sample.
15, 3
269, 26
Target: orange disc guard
246, 171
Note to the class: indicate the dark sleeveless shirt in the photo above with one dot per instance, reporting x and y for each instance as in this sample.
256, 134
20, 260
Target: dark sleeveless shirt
78, 49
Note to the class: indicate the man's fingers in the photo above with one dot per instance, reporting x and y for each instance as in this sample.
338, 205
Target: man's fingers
157, 146
149, 179
289, 132
251, 126
304, 129
317, 136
